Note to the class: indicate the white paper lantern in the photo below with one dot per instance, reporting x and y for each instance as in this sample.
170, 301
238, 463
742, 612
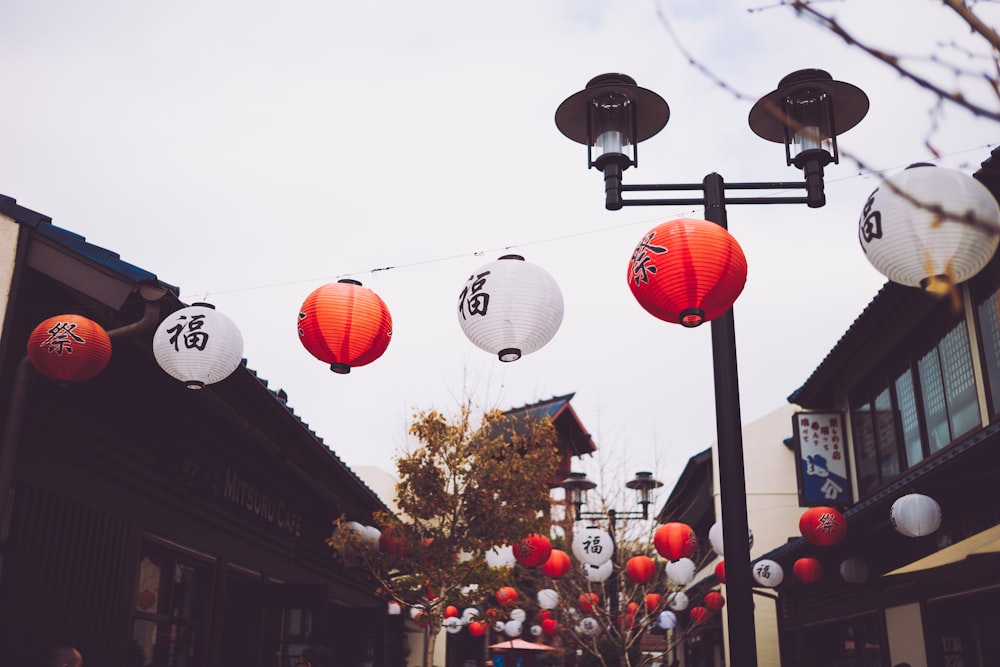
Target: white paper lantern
393, 609
453, 625
501, 557
767, 572
518, 615
678, 601
536, 630
498, 626
513, 628
548, 598
469, 614
592, 545
588, 626
667, 620
510, 307
915, 515
681, 571
854, 570
372, 536
715, 537
198, 345
598, 574
912, 244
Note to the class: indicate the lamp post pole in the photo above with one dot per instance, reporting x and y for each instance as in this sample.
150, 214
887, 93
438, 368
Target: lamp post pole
806, 112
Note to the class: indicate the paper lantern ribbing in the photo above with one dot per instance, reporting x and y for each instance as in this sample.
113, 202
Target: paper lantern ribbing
592, 545
930, 227
915, 515
345, 325
675, 540
714, 600
510, 307
823, 526
548, 598
767, 572
715, 538
69, 348
667, 620
698, 614
680, 571
640, 569
687, 271
198, 345
557, 565
532, 550
854, 570
807, 570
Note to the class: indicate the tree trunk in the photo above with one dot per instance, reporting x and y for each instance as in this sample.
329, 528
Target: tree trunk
430, 637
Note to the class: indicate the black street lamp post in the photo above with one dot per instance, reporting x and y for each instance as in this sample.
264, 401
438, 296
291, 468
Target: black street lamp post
577, 485
806, 112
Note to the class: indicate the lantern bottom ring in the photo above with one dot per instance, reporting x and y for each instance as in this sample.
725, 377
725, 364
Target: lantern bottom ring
509, 354
342, 369
939, 284
194, 384
692, 317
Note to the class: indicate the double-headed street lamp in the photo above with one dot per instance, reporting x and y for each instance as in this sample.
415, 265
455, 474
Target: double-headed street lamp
806, 113
577, 485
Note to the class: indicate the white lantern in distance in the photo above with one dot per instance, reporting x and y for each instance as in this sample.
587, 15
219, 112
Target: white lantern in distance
915, 515
501, 557
667, 620
588, 626
510, 307
469, 614
536, 630
716, 539
198, 345
678, 601
513, 628
518, 615
681, 571
548, 598
598, 574
453, 625
592, 545
930, 227
767, 572
854, 570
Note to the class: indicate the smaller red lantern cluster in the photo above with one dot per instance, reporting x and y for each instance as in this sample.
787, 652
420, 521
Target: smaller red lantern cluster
506, 595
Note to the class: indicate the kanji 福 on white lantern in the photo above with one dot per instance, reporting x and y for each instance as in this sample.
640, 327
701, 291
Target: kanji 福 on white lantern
767, 572
930, 227
915, 515
510, 307
198, 345
592, 545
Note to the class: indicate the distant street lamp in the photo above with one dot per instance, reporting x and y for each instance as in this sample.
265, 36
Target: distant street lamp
577, 485
806, 113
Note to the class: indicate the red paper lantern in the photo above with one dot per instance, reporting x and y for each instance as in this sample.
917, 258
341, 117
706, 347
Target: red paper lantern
675, 540
393, 541
698, 615
557, 565
823, 526
687, 271
506, 595
640, 569
345, 325
145, 600
478, 628
807, 570
652, 601
550, 627
720, 571
69, 348
714, 600
588, 601
450, 611
532, 550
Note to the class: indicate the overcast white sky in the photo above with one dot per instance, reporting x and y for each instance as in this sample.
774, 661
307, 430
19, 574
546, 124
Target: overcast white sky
251, 151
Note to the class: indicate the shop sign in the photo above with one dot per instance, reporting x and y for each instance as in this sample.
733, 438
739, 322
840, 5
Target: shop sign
820, 448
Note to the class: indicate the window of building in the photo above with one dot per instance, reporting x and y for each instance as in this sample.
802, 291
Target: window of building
854, 642
915, 405
171, 608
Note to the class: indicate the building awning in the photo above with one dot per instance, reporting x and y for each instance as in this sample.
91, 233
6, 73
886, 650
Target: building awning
986, 542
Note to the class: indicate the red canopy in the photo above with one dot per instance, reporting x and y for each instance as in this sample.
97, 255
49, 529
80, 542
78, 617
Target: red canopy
520, 645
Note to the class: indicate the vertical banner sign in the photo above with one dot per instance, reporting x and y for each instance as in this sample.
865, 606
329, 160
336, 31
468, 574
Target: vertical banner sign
822, 454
